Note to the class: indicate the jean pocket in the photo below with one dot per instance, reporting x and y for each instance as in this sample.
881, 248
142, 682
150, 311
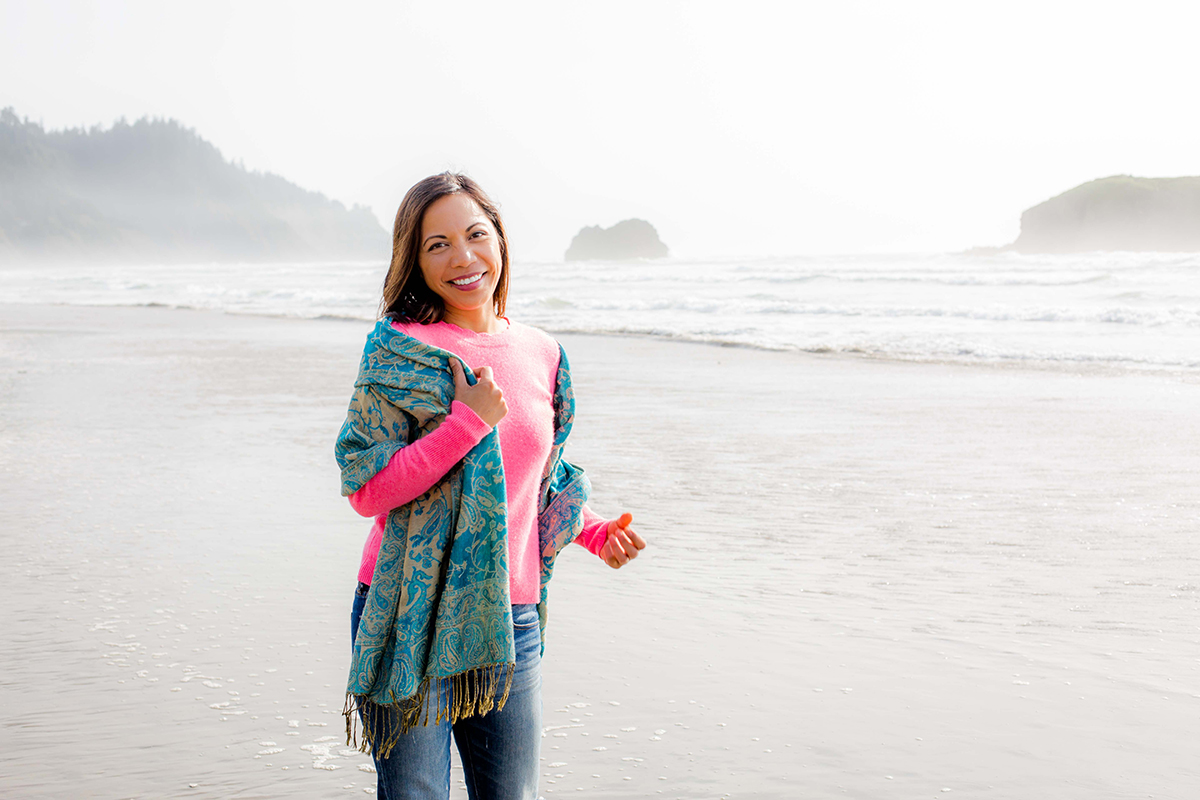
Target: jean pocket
525, 617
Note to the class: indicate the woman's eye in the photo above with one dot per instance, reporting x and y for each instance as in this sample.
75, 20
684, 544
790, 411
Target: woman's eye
435, 246
478, 233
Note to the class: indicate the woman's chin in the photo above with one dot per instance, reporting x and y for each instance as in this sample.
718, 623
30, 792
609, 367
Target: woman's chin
471, 302
460, 307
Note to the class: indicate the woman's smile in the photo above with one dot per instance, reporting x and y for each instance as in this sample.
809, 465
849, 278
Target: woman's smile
468, 281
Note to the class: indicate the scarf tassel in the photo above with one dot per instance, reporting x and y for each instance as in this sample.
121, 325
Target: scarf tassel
370, 727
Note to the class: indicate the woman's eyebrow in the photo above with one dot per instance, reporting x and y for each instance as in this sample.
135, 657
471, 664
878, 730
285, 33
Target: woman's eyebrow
443, 236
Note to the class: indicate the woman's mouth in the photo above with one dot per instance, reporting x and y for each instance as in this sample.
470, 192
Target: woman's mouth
467, 281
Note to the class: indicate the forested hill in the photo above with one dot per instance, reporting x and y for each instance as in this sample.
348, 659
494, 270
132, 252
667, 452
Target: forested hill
155, 190
1121, 212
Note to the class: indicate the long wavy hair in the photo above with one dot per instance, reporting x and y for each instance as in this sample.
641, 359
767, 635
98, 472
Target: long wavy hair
405, 295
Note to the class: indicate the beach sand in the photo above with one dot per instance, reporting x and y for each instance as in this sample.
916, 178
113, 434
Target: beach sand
866, 578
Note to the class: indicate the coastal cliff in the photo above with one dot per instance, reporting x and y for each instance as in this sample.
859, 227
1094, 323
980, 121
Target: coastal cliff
1116, 213
155, 190
630, 238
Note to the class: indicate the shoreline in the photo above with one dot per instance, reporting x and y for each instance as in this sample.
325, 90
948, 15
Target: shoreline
865, 578
1096, 367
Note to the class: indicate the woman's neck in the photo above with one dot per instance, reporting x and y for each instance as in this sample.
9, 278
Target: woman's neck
480, 320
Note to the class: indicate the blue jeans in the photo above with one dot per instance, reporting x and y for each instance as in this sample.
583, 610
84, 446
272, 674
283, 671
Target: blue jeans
500, 750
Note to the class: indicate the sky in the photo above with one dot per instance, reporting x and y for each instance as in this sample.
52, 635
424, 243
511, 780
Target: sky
739, 129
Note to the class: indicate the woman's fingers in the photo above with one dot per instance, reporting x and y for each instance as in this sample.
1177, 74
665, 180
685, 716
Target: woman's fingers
484, 397
613, 553
627, 536
637, 541
623, 543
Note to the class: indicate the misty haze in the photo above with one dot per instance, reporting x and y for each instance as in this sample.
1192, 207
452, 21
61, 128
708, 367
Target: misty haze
883, 323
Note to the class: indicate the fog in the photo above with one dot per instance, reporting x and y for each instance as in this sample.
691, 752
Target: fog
736, 129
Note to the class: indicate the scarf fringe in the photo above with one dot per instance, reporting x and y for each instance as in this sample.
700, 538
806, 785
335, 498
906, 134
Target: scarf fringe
370, 727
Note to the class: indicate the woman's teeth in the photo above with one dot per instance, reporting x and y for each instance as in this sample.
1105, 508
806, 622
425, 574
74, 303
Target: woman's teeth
467, 281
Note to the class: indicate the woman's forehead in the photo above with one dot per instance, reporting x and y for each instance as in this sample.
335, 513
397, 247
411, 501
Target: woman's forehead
457, 210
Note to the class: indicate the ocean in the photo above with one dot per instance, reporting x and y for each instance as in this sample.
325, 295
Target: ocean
1137, 311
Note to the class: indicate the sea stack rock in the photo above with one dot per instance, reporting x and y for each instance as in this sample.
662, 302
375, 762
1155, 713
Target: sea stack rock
1116, 213
630, 238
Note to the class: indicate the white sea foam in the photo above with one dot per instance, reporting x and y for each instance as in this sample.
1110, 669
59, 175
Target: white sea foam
1122, 310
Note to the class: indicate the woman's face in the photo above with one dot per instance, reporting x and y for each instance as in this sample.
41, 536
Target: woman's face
459, 256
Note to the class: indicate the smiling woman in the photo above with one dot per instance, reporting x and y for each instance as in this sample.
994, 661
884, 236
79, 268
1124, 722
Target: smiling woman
463, 472
446, 227
461, 262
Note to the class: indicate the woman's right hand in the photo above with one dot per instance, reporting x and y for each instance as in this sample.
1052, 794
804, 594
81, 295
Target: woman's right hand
484, 398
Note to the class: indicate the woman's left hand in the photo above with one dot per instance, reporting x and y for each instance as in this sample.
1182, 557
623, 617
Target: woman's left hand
623, 543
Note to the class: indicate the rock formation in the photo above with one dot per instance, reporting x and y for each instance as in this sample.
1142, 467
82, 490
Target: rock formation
1116, 213
630, 238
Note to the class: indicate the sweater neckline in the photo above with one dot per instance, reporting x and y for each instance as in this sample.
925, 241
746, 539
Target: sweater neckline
478, 334
477, 339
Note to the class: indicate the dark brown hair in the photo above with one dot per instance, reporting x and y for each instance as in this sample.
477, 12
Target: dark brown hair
405, 295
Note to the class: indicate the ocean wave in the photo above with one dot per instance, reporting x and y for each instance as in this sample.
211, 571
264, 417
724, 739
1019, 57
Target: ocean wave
1124, 310
958, 352
760, 304
705, 274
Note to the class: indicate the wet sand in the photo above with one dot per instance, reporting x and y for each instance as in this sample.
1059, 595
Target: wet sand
866, 579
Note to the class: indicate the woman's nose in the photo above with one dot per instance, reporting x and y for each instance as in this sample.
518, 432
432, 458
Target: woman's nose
462, 255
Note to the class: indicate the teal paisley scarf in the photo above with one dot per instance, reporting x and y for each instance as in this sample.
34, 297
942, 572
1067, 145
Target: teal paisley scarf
437, 624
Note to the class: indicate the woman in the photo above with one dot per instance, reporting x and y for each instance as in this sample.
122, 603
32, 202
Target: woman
453, 443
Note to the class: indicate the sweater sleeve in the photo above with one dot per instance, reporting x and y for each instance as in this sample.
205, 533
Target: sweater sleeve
415, 468
594, 533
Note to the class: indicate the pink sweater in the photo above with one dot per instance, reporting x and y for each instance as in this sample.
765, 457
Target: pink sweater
524, 364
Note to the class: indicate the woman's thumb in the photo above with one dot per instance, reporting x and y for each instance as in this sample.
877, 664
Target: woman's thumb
457, 369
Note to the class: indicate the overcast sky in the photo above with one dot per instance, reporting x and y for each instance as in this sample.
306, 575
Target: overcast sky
736, 128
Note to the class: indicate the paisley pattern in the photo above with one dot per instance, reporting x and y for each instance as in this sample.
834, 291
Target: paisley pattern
438, 619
